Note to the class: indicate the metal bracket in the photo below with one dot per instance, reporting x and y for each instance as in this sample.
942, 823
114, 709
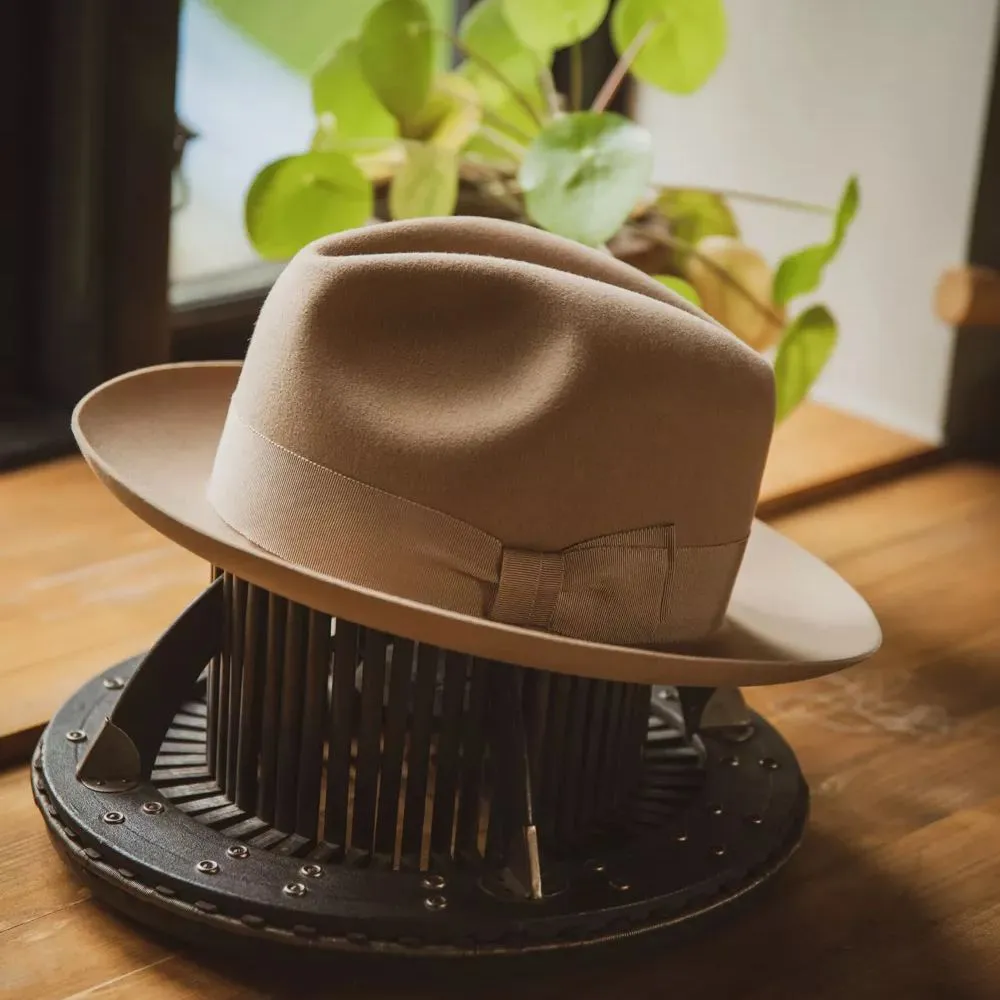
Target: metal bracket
124, 750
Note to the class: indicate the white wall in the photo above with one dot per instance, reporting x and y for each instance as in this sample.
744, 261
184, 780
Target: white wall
812, 91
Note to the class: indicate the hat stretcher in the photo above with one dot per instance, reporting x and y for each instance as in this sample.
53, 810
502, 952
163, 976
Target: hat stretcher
328, 787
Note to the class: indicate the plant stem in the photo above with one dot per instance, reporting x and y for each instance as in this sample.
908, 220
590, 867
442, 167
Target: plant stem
763, 199
685, 247
610, 86
576, 76
518, 95
509, 129
504, 142
548, 86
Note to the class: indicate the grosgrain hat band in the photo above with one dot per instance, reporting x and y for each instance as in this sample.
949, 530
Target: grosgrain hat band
635, 587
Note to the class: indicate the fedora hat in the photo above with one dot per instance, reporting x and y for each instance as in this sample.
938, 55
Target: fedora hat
483, 436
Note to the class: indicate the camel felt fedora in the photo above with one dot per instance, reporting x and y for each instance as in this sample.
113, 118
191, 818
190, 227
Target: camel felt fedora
483, 436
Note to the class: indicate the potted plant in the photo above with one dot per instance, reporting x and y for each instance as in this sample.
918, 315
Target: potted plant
396, 138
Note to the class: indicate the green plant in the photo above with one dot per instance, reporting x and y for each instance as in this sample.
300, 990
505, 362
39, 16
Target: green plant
395, 138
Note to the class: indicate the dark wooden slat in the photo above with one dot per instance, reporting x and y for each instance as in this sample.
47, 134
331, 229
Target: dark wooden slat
538, 683
197, 708
245, 828
181, 760
638, 726
182, 746
195, 722
418, 755
449, 741
340, 735
237, 627
195, 806
369, 739
314, 716
212, 692
594, 738
293, 682
394, 743
252, 697
294, 846
225, 672
177, 793
612, 747
165, 775
188, 736
572, 776
473, 746
555, 752
277, 612
267, 839
224, 814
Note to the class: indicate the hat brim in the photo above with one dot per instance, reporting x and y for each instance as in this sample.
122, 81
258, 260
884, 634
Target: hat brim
151, 437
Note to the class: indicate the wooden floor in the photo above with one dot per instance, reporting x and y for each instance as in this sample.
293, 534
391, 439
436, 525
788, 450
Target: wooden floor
895, 894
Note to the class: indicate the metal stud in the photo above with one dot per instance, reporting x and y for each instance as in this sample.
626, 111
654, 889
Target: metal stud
113, 683
768, 763
114, 817
681, 837
594, 865
311, 871
76, 736
754, 819
715, 809
208, 867
238, 851
153, 808
719, 850
435, 903
433, 882
731, 761
619, 885
294, 889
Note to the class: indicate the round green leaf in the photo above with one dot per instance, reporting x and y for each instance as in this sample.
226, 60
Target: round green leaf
426, 184
341, 91
300, 198
488, 37
801, 272
554, 24
693, 215
584, 172
397, 55
686, 44
680, 286
802, 354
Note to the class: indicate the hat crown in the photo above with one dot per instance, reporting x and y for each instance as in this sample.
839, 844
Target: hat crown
536, 390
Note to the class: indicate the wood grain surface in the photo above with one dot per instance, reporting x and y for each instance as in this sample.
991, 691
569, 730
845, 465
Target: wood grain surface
895, 894
84, 583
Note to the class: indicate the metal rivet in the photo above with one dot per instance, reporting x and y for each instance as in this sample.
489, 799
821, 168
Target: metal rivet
619, 885
113, 683
153, 808
738, 734
768, 763
715, 810
731, 761
113, 818
718, 850
594, 865
754, 819
208, 867
681, 837
294, 889
37, 763
238, 851
435, 902
311, 871
433, 882
76, 736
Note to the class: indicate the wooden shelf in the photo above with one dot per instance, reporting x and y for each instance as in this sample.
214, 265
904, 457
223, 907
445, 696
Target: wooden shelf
84, 583
892, 894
